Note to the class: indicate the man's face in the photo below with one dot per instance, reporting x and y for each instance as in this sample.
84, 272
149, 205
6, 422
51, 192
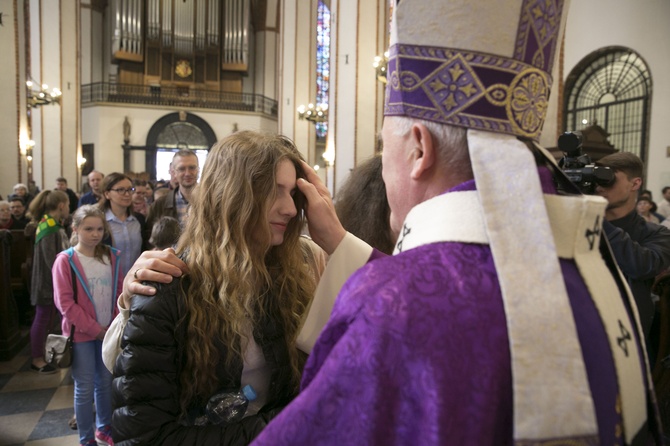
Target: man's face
622, 193
186, 170
95, 180
140, 191
666, 194
17, 209
396, 170
61, 185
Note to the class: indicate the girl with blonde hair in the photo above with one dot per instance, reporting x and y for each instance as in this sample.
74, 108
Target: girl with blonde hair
86, 281
234, 318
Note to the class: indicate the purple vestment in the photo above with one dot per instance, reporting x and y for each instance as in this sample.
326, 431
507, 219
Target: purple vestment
416, 352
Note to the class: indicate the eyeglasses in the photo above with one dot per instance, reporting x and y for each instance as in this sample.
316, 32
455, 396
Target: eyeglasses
123, 191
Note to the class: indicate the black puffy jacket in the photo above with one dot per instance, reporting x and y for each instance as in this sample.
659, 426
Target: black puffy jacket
146, 385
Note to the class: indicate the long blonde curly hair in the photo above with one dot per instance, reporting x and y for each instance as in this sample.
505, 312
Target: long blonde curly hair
237, 277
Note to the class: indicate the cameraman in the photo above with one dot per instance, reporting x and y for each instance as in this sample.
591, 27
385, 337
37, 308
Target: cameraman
641, 249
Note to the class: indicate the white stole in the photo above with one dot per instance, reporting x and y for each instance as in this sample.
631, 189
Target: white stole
528, 232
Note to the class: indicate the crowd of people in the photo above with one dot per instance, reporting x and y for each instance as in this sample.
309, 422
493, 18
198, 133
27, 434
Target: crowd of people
449, 295
262, 310
99, 235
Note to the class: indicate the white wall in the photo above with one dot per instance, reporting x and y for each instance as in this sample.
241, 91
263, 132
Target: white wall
103, 127
344, 69
86, 42
11, 94
643, 26
372, 41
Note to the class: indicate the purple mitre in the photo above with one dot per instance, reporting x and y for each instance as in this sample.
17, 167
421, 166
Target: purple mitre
471, 86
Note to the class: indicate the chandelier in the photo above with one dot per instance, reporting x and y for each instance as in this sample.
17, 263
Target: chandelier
41, 96
318, 113
380, 64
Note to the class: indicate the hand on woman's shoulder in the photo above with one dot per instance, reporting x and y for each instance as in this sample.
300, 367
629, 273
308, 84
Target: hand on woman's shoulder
165, 305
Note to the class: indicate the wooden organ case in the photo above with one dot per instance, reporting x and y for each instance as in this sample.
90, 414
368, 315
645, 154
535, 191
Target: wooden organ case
192, 45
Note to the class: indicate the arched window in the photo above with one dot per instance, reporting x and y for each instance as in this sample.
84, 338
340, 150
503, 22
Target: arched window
612, 88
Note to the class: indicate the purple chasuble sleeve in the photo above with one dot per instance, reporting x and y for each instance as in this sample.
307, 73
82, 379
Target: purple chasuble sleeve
416, 352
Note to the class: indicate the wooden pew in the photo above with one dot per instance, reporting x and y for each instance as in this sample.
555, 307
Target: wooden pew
11, 338
21, 259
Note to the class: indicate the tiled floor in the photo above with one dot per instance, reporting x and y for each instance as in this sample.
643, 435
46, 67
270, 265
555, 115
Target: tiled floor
34, 409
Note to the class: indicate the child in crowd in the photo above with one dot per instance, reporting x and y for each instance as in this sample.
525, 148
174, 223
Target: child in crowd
90, 305
47, 211
165, 233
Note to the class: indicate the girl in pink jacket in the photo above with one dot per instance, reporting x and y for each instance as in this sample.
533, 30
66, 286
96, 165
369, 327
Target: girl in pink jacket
90, 305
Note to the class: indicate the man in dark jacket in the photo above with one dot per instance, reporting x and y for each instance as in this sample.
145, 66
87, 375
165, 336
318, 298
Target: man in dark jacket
175, 203
61, 184
18, 209
641, 248
95, 183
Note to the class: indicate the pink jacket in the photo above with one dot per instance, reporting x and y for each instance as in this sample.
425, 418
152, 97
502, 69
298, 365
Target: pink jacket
82, 313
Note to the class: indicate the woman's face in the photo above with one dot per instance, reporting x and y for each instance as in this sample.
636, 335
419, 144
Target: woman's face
283, 208
120, 193
643, 207
5, 214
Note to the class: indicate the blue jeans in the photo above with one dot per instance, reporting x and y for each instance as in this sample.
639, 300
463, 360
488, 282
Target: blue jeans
91, 377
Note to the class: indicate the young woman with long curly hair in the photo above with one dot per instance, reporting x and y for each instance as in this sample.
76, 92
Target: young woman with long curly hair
234, 318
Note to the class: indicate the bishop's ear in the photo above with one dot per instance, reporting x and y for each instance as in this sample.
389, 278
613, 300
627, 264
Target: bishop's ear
423, 151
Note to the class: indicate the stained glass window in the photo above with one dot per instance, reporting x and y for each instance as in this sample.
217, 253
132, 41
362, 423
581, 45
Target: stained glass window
322, 62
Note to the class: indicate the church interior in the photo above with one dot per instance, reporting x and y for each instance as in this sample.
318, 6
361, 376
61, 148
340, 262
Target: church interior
120, 85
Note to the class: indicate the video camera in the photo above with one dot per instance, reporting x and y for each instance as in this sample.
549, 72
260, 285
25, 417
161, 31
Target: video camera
578, 166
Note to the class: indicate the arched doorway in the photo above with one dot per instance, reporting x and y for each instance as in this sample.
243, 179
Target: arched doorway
172, 132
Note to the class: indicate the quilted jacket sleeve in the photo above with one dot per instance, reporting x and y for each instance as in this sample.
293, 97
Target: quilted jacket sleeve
146, 380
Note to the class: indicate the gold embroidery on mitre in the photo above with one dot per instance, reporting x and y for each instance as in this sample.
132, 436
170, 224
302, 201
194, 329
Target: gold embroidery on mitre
409, 81
437, 85
538, 59
527, 104
540, 22
451, 85
497, 94
460, 81
456, 72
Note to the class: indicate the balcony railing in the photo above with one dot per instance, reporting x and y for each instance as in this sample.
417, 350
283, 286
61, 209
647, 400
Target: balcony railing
176, 97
